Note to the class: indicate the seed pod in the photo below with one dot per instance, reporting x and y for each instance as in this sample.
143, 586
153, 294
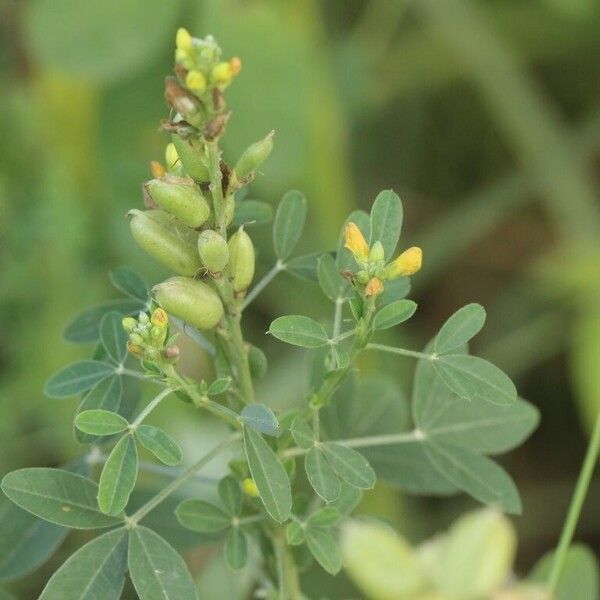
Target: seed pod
182, 200
213, 251
191, 300
176, 227
241, 260
190, 154
254, 156
163, 245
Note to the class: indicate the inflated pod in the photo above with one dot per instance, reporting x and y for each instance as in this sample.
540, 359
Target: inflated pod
241, 260
254, 156
191, 300
191, 156
174, 225
181, 198
164, 245
213, 251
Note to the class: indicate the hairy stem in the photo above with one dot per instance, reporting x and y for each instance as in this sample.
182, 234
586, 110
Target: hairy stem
401, 351
581, 489
287, 573
262, 284
150, 407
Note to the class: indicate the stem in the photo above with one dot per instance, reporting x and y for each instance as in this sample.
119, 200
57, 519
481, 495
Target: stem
287, 574
150, 407
194, 334
137, 375
139, 514
216, 185
263, 283
581, 489
241, 359
401, 351
337, 317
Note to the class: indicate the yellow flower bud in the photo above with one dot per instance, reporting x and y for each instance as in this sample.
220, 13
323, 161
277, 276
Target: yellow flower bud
250, 488
235, 65
129, 324
195, 81
135, 349
374, 287
159, 318
355, 242
157, 169
408, 263
183, 40
171, 157
221, 73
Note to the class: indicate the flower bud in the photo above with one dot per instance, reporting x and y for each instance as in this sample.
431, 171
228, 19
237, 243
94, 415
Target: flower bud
129, 324
190, 154
221, 74
157, 169
183, 40
135, 349
182, 200
159, 318
408, 263
250, 488
171, 352
241, 260
195, 81
164, 245
254, 156
191, 300
235, 65
377, 253
143, 318
171, 158
374, 287
213, 251
355, 242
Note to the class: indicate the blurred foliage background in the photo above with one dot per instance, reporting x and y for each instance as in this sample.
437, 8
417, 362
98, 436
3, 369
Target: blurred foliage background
483, 115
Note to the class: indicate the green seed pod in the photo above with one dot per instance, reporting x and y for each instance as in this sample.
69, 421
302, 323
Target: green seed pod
257, 361
180, 198
163, 245
213, 250
241, 260
191, 300
176, 227
190, 154
254, 156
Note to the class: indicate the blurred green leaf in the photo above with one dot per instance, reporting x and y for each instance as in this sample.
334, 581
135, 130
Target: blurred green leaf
202, 516
350, 465
231, 495
118, 477
289, 223
394, 290
324, 547
76, 378
114, 337
236, 548
334, 286
252, 212
261, 418
305, 267
130, 283
386, 221
321, 476
160, 443
326, 517
302, 433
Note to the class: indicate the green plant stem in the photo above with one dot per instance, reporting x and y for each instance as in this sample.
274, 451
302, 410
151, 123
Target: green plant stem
337, 317
401, 351
194, 334
581, 489
150, 407
263, 283
287, 574
137, 375
139, 514
216, 184
244, 378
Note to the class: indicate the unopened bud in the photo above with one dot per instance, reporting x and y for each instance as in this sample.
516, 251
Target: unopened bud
377, 253
213, 251
143, 317
183, 200
195, 81
163, 244
137, 339
191, 156
250, 488
159, 318
374, 287
254, 156
157, 169
235, 65
171, 157
171, 352
355, 241
221, 74
129, 324
241, 260
135, 349
408, 263
183, 40
191, 300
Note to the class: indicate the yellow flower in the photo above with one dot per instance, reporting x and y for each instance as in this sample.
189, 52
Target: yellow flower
355, 242
183, 40
195, 81
221, 73
235, 65
408, 263
157, 169
374, 287
135, 349
250, 488
159, 318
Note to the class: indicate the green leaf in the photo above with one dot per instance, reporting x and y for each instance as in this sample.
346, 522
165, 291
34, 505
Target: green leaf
252, 212
305, 267
139, 32
202, 516
396, 289
344, 259
299, 331
100, 422
294, 533
57, 496
289, 223
321, 476
76, 378
350, 465
475, 474
302, 433
349, 499
231, 495
156, 570
394, 314
25, 540
463, 325
324, 547
334, 286
326, 517
160, 443
472, 377
236, 548
261, 418
269, 475
97, 570
85, 327
105, 395
118, 477
478, 425
130, 283
114, 337
580, 576
219, 386
386, 221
